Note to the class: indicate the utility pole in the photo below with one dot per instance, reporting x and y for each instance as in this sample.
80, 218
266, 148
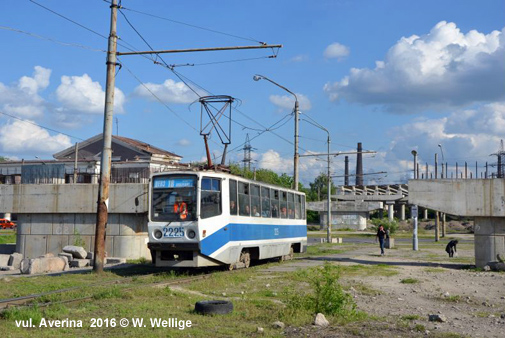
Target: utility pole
105, 164
414, 209
297, 155
75, 162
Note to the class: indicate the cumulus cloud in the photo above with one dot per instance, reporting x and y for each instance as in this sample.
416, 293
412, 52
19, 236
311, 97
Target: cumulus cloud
288, 101
22, 98
20, 137
444, 68
169, 91
82, 94
183, 142
336, 51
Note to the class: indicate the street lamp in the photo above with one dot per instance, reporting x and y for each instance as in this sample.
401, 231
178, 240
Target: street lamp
328, 230
442, 151
258, 77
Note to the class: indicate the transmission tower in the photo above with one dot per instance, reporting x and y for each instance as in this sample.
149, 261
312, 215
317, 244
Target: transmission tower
500, 154
247, 153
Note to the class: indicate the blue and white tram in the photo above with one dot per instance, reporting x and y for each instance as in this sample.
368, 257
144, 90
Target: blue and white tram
208, 218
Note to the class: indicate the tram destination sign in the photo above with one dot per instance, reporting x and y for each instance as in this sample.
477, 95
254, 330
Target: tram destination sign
166, 182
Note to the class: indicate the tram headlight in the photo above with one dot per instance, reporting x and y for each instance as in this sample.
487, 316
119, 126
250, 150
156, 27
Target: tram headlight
191, 234
157, 234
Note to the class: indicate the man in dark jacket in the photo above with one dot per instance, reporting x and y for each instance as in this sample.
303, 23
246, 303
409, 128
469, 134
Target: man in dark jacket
381, 234
451, 247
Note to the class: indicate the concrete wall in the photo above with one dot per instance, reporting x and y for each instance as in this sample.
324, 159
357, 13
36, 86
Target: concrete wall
489, 239
460, 197
342, 220
52, 216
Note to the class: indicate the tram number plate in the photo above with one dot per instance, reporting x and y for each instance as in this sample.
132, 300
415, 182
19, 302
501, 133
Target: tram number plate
173, 232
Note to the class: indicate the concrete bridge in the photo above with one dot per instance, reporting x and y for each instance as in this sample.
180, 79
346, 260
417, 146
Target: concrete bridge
482, 199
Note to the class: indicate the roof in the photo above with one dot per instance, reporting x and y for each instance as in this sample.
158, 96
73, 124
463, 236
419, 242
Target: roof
145, 146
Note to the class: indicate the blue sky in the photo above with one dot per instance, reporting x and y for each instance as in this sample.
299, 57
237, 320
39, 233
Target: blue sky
394, 75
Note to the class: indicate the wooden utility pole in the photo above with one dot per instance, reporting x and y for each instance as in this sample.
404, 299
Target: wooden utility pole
105, 163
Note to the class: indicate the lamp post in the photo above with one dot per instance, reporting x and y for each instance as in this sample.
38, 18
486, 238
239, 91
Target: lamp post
297, 111
414, 210
328, 229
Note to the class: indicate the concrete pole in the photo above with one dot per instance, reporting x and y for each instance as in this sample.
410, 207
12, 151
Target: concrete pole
390, 212
443, 224
402, 212
437, 226
75, 162
105, 164
425, 215
296, 157
328, 234
414, 215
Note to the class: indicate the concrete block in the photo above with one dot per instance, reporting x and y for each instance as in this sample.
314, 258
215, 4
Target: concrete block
90, 255
69, 256
115, 260
7, 268
35, 245
389, 243
79, 263
487, 247
24, 266
20, 243
15, 260
85, 224
4, 260
338, 240
112, 229
42, 224
55, 243
24, 224
47, 265
76, 251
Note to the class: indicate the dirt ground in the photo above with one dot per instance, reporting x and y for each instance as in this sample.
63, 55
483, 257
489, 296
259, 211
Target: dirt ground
427, 283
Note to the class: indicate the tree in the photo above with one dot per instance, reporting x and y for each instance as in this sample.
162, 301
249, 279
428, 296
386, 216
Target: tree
3, 159
319, 188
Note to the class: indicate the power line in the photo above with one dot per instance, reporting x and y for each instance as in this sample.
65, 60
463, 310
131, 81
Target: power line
41, 126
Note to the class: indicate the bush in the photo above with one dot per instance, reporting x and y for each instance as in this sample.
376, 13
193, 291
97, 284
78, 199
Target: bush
327, 297
392, 226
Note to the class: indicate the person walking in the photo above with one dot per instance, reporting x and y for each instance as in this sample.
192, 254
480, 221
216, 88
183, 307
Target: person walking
381, 235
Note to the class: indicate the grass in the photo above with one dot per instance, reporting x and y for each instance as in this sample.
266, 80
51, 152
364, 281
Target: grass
411, 317
410, 281
7, 237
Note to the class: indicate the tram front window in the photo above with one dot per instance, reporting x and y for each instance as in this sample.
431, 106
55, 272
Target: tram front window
173, 198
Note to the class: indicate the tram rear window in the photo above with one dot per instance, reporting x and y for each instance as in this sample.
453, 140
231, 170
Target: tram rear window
173, 198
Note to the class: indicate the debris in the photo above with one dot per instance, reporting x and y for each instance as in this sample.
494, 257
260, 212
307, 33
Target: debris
437, 318
321, 320
278, 325
76, 251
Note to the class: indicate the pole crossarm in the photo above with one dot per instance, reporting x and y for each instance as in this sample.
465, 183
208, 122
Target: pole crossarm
211, 49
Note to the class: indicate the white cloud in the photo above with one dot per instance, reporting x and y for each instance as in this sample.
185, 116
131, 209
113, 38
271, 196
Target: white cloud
21, 137
22, 98
444, 68
183, 142
288, 101
299, 58
169, 91
336, 51
81, 94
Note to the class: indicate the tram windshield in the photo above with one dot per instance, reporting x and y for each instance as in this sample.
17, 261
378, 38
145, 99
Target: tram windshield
173, 198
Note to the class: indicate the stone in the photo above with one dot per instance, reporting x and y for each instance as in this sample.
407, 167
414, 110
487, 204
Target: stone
446, 294
115, 260
24, 266
500, 258
89, 255
321, 320
260, 330
46, 265
4, 260
500, 267
15, 260
79, 263
278, 325
76, 251
437, 318
69, 256
486, 268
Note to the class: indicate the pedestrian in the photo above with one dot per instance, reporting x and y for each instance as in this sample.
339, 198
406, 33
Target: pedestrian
451, 247
381, 235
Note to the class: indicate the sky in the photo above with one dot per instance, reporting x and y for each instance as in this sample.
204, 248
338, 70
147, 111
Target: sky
394, 75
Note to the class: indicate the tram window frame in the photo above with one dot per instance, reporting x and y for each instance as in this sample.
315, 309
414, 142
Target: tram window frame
255, 200
233, 196
298, 206
265, 202
244, 199
210, 197
283, 203
291, 205
304, 213
274, 203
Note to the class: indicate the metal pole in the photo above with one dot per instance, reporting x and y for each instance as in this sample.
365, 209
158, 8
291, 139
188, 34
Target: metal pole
328, 234
415, 241
436, 165
75, 162
103, 191
295, 170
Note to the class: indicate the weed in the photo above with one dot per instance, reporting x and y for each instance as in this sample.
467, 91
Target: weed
454, 299
24, 313
411, 317
410, 281
78, 241
419, 328
113, 292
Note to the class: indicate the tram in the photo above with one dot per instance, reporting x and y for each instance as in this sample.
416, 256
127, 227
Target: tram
210, 218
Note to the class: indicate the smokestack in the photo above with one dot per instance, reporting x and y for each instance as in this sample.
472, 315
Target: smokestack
359, 166
346, 174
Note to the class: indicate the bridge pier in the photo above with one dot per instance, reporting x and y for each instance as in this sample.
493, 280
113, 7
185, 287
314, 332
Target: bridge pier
489, 239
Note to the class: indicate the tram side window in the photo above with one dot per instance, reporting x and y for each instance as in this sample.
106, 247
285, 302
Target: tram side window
211, 197
255, 200
298, 206
291, 205
233, 197
265, 202
284, 204
244, 204
274, 200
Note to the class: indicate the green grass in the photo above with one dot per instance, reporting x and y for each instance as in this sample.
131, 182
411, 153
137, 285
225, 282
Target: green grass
7, 237
410, 281
411, 317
